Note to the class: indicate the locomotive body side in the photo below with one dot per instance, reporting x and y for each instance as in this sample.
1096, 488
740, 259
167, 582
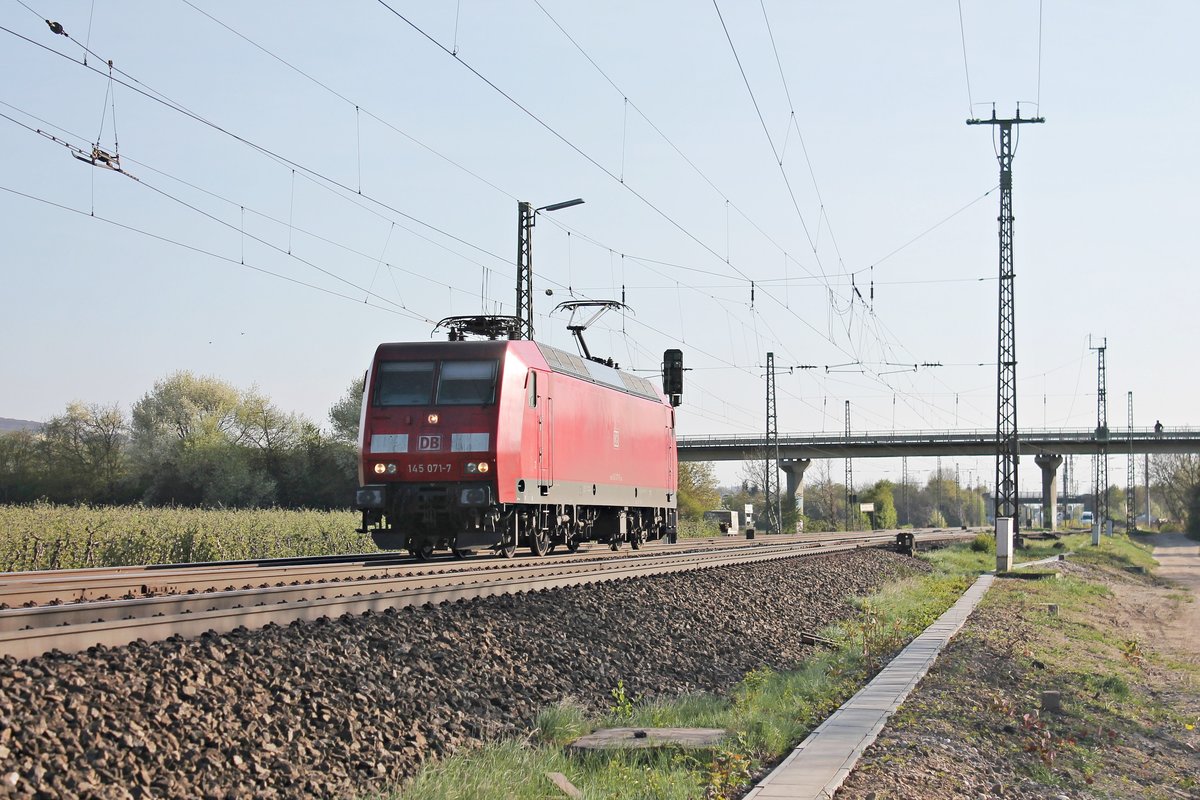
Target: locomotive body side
562, 452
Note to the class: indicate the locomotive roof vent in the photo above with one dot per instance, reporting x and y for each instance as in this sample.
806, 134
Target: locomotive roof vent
577, 329
481, 326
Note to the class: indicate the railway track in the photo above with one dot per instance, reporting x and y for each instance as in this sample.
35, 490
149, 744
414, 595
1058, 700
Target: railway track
79, 585
280, 593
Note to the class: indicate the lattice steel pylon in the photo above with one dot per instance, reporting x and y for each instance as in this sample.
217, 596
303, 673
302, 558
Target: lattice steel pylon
1131, 477
1100, 470
1007, 446
849, 474
525, 220
771, 463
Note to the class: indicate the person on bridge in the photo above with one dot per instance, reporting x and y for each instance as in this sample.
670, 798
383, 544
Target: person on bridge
1157, 426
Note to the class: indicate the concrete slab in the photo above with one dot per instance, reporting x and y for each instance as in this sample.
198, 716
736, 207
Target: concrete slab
819, 764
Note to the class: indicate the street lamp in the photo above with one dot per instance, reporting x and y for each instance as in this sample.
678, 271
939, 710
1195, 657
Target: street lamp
526, 218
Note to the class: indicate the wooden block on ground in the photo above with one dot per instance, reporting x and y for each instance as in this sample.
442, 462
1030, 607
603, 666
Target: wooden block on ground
649, 738
1051, 701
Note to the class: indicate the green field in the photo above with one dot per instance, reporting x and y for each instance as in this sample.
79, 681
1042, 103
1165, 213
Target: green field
48, 536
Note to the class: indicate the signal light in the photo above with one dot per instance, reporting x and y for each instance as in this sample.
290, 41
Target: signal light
432, 419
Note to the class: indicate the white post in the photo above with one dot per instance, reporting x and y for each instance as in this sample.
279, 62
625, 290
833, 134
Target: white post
1108, 527
1004, 544
1095, 534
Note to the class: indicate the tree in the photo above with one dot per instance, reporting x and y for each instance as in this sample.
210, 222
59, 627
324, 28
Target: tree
21, 467
320, 471
85, 452
345, 414
881, 494
188, 441
183, 405
824, 501
697, 489
1178, 478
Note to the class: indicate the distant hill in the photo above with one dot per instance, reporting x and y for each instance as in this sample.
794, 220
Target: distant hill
7, 425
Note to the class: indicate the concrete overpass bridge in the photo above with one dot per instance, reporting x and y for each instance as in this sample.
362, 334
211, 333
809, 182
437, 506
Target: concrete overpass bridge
874, 444
1047, 446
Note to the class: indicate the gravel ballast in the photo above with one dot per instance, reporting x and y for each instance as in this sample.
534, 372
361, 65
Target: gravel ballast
340, 706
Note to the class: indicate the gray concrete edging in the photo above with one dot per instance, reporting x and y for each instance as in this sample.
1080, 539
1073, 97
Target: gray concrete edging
819, 764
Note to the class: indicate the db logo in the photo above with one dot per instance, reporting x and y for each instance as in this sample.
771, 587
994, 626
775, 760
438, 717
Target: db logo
429, 443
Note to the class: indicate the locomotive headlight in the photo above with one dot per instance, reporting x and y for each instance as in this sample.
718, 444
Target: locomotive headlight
472, 467
483, 466
391, 468
380, 469
432, 419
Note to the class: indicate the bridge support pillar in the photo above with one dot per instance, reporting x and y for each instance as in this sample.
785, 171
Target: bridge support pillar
793, 469
1049, 464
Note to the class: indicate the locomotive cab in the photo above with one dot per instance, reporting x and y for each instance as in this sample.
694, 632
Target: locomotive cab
428, 446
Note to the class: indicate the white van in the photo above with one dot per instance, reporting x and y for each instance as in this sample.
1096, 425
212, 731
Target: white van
1086, 519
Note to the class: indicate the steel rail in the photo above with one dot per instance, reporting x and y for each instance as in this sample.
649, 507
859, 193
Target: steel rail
112, 610
22, 644
45, 616
73, 586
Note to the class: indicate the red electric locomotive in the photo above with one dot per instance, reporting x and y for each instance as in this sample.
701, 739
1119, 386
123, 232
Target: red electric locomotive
499, 443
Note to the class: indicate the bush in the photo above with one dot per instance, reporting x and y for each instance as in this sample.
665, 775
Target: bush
983, 543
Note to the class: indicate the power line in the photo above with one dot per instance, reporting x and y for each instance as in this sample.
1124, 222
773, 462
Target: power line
349, 101
307, 171
770, 141
963, 34
357, 107
282, 160
209, 216
166, 101
100, 218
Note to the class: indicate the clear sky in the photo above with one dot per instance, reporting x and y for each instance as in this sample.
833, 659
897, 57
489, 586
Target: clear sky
315, 178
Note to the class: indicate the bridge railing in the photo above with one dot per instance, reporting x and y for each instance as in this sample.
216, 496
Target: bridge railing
944, 436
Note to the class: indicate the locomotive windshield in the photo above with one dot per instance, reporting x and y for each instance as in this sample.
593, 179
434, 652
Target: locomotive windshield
467, 383
404, 383
460, 383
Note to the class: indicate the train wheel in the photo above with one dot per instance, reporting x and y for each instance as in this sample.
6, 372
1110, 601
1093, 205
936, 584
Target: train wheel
550, 551
508, 544
539, 543
635, 540
615, 544
461, 554
424, 552
572, 544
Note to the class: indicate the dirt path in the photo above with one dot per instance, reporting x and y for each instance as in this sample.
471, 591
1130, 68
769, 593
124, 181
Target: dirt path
1179, 562
1125, 661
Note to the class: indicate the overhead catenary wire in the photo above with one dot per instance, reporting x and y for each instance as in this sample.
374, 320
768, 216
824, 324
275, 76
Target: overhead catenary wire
306, 171
357, 108
765, 281
243, 234
210, 253
962, 30
770, 141
279, 158
346, 99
